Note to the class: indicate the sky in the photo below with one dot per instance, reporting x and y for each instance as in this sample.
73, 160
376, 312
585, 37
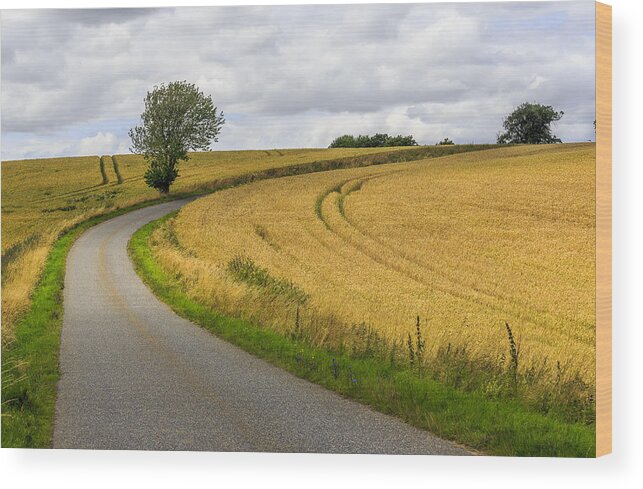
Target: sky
73, 81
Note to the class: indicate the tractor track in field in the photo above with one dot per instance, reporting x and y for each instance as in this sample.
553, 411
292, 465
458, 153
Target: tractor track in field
413, 269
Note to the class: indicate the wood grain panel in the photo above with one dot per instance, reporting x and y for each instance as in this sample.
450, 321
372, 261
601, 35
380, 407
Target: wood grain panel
603, 229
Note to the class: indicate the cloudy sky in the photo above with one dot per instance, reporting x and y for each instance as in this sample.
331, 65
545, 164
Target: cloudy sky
73, 81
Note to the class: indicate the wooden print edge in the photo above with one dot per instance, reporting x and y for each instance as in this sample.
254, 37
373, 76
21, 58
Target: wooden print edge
603, 229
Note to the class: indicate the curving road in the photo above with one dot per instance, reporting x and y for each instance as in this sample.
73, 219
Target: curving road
134, 375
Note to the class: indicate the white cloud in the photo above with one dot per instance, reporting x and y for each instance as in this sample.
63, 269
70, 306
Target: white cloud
298, 75
100, 144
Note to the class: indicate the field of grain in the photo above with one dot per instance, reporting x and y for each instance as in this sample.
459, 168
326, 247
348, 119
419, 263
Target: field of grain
43, 197
467, 242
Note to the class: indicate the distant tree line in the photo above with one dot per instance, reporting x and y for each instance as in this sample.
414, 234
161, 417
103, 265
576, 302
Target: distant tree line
529, 123
375, 141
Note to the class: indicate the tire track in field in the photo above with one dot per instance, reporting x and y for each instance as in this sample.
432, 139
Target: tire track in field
388, 257
119, 178
437, 270
72, 193
513, 305
89, 190
103, 173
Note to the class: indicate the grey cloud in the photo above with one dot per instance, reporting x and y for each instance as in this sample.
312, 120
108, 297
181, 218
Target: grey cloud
426, 68
57, 17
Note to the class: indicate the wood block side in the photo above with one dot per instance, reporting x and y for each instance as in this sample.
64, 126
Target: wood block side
603, 229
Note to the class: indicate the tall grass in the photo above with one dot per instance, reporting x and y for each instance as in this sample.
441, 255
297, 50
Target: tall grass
244, 269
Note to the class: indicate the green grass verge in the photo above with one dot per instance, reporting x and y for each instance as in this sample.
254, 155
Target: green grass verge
493, 427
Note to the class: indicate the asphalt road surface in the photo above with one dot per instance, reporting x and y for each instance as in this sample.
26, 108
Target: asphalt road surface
134, 375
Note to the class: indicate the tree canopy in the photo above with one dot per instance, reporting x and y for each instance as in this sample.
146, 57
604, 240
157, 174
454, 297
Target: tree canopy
445, 142
530, 124
177, 118
376, 141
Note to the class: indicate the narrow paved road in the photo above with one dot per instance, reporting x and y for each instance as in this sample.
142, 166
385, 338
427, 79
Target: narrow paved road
134, 375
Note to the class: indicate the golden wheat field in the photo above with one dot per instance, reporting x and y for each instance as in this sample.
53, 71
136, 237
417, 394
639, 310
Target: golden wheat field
43, 197
466, 242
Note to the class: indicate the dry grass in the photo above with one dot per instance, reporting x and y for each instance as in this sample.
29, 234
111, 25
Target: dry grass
43, 197
38, 202
466, 241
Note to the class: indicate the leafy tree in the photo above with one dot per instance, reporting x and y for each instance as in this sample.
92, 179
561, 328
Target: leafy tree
378, 140
177, 118
444, 142
345, 141
530, 124
362, 141
400, 140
